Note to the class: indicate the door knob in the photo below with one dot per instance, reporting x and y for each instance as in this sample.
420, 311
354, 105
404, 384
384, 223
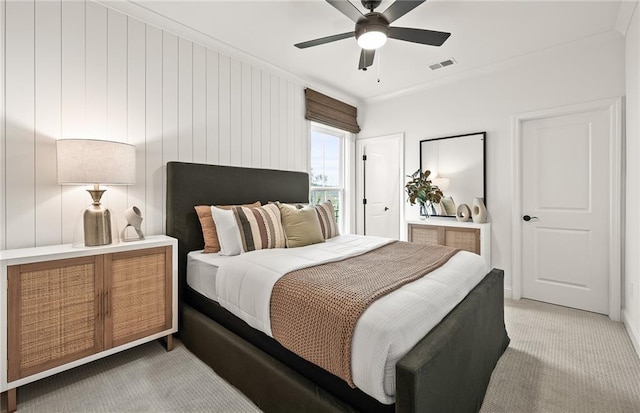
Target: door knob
528, 218
386, 208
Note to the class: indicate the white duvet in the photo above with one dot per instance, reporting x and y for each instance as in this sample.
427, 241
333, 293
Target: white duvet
387, 329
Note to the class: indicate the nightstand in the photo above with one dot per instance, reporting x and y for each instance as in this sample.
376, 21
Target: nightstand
64, 306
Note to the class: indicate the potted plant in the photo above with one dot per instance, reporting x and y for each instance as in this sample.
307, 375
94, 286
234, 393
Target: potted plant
421, 190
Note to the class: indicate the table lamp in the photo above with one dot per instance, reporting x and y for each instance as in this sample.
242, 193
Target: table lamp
91, 161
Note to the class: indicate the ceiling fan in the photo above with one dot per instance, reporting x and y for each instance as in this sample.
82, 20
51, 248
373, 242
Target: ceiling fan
372, 29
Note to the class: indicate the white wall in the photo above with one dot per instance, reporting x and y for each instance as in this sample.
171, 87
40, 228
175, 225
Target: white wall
631, 312
78, 69
586, 70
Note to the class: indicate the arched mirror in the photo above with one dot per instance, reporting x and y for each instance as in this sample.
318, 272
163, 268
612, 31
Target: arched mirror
457, 168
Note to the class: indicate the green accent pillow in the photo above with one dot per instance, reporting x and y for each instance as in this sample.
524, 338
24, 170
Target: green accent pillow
301, 226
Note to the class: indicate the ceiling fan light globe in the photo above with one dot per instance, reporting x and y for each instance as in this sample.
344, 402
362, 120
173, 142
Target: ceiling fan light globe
372, 40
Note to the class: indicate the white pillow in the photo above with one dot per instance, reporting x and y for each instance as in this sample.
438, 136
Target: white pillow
228, 232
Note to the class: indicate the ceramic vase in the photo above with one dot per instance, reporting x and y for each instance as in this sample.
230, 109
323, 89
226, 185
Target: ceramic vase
463, 213
478, 211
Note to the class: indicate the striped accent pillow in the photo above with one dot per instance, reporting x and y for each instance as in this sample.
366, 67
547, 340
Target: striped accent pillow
209, 231
260, 228
327, 219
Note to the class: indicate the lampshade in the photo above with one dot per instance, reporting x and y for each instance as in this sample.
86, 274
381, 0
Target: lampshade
442, 183
90, 161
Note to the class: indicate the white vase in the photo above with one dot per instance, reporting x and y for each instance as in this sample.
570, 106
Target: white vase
478, 211
463, 213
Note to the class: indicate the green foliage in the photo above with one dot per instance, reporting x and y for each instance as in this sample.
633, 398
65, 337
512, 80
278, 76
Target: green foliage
318, 180
421, 190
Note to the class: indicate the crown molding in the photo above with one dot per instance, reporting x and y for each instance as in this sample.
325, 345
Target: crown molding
625, 14
170, 25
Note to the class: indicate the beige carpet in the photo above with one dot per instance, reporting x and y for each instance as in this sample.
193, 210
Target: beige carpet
563, 360
560, 360
143, 379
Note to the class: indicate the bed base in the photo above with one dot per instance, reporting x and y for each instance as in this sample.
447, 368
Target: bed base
447, 371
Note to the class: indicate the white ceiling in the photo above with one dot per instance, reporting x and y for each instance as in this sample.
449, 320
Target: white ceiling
483, 33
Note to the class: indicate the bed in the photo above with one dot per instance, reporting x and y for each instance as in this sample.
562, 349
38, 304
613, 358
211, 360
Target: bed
447, 370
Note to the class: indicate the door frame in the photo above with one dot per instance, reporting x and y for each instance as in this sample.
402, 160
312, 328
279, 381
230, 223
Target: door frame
614, 106
360, 143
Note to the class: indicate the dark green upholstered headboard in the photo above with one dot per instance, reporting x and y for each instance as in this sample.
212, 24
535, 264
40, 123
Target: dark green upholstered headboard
191, 184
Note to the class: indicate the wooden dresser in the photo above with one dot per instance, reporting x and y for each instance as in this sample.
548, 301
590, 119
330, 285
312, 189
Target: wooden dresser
64, 306
468, 236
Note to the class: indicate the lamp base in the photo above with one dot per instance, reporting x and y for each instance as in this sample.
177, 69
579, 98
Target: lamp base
97, 226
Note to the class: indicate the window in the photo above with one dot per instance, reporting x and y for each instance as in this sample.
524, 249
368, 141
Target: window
327, 172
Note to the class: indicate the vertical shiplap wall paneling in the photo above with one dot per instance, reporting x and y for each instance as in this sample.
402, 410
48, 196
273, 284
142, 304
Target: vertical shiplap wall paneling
265, 133
199, 104
246, 117
291, 127
116, 31
256, 117
212, 108
185, 100
136, 110
170, 96
77, 69
235, 103
282, 125
73, 104
20, 112
224, 107
117, 82
3, 175
154, 198
48, 207
96, 70
297, 135
275, 122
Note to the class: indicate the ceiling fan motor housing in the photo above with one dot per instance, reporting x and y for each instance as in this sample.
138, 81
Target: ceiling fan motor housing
372, 22
370, 4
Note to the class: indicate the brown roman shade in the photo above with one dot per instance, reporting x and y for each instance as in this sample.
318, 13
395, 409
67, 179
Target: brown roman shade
329, 111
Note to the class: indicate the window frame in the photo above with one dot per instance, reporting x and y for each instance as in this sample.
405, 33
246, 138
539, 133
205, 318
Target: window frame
342, 187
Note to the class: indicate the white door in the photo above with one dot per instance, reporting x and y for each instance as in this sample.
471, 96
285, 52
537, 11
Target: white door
566, 175
381, 177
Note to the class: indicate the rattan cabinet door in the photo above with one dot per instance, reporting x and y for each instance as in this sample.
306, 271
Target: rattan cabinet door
138, 288
467, 239
424, 234
53, 314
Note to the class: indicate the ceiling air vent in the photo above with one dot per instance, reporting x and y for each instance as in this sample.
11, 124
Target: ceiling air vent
442, 64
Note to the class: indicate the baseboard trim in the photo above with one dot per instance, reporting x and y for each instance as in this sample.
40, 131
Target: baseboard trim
508, 292
632, 332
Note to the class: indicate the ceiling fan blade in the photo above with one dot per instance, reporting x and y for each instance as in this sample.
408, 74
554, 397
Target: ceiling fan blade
400, 8
366, 59
323, 40
430, 37
347, 8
